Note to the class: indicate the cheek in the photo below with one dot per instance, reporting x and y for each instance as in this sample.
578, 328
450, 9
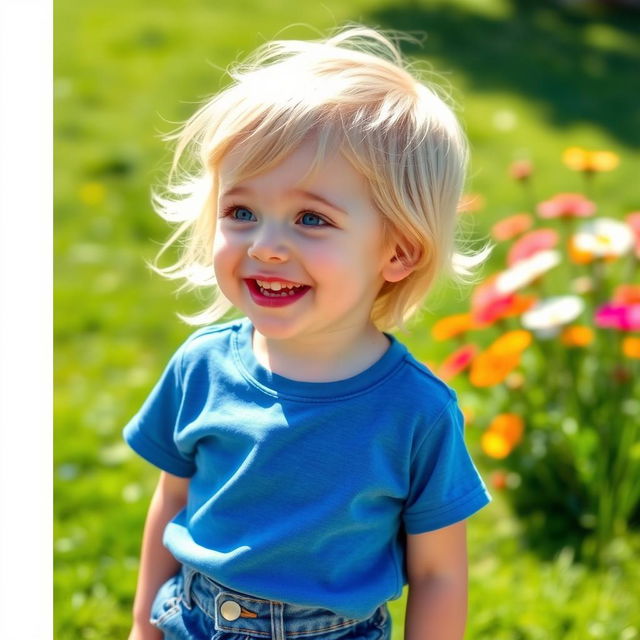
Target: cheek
354, 254
341, 275
327, 262
225, 255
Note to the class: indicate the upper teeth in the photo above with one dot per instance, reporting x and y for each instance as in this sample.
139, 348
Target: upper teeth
276, 286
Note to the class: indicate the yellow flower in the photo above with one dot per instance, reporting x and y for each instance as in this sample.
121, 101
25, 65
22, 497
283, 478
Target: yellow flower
631, 347
495, 445
580, 159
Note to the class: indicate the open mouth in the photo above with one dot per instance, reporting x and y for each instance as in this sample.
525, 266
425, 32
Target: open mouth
275, 294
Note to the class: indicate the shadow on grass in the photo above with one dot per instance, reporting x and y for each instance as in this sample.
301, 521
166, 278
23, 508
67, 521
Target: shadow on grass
580, 66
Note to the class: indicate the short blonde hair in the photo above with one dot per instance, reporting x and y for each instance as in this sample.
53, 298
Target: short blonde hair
354, 92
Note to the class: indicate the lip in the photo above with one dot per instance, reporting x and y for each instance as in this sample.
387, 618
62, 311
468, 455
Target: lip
273, 301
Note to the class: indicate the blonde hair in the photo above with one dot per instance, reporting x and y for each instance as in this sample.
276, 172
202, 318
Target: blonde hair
352, 92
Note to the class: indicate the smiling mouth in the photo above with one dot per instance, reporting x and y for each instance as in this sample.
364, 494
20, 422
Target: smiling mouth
275, 293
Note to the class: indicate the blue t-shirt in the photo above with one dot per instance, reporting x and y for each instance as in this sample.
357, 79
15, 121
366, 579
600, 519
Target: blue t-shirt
303, 492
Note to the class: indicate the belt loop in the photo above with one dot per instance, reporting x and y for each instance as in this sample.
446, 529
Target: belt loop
189, 574
277, 620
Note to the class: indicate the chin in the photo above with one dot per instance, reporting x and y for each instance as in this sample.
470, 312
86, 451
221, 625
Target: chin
275, 329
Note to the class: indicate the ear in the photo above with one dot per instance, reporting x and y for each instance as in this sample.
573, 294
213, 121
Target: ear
401, 263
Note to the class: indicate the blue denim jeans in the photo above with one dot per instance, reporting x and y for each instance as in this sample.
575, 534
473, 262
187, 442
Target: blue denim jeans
191, 606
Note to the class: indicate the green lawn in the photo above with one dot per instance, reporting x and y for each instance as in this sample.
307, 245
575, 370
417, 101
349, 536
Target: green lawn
531, 80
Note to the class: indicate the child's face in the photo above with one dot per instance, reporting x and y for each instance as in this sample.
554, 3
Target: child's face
272, 230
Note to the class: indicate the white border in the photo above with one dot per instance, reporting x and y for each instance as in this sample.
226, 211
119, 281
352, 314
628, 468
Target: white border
26, 189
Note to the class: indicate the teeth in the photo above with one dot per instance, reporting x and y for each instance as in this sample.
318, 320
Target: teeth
277, 286
277, 289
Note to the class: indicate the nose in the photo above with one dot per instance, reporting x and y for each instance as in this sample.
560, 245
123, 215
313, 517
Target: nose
269, 244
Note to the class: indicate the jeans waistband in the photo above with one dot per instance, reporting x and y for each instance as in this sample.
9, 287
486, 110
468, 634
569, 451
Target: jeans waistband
241, 613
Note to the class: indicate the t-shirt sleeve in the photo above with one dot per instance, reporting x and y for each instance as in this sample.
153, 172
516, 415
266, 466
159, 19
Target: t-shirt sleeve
445, 484
151, 431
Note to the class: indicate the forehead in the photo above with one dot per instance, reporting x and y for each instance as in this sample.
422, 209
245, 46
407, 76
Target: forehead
304, 168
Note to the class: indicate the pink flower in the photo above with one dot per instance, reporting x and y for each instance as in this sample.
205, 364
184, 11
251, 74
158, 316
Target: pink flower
567, 205
488, 304
521, 170
624, 317
458, 361
531, 243
633, 220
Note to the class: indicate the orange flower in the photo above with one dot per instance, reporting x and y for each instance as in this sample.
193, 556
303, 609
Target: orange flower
471, 202
495, 445
521, 169
631, 347
452, 326
509, 426
512, 226
627, 294
580, 159
458, 361
489, 369
577, 336
511, 343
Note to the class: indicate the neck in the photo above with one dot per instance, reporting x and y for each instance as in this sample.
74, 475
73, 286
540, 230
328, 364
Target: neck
321, 358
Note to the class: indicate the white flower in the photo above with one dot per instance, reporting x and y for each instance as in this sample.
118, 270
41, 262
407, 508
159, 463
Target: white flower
552, 313
604, 237
525, 271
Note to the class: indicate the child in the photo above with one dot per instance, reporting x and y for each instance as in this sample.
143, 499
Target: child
310, 465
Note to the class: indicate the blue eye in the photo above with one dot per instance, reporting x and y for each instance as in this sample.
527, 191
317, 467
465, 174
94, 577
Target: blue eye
241, 213
312, 220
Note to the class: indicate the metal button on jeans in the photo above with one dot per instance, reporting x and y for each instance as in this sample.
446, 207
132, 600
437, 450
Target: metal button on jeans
230, 610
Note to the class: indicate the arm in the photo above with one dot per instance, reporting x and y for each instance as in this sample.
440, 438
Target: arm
157, 565
437, 573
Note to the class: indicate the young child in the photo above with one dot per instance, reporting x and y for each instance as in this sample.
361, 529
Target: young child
311, 467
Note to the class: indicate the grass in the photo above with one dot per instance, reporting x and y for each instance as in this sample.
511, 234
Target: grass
531, 79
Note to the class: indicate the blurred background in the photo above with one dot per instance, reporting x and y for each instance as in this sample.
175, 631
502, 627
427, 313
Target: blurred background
548, 94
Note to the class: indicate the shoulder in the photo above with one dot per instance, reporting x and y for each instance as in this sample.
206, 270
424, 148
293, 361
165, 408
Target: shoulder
211, 334
427, 379
423, 390
207, 341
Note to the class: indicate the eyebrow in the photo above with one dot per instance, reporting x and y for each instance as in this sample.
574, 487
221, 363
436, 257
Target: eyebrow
239, 191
